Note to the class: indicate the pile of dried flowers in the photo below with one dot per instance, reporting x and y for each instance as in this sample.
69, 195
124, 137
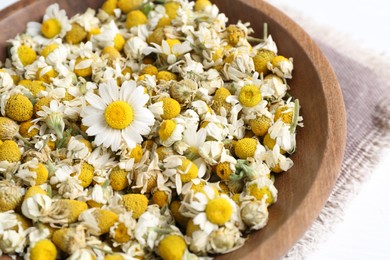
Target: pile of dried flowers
145, 129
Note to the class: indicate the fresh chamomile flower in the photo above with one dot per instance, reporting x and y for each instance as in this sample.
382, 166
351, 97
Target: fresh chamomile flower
55, 23
117, 115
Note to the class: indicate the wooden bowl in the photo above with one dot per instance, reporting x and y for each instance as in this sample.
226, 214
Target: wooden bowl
304, 189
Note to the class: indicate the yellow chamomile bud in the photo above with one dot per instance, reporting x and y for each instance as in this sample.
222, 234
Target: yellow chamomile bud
43, 250
200, 5
27, 55
234, 34
86, 174
111, 53
9, 151
149, 69
105, 219
270, 143
284, 113
260, 125
166, 76
171, 9
50, 28
219, 100
137, 153
41, 174
129, 5
119, 42
135, 18
35, 86
137, 203
191, 227
172, 247
179, 218
260, 192
19, 108
76, 35
171, 108
261, 60
118, 179
245, 148
8, 128
74, 207
84, 72
10, 195
223, 170
33, 190
114, 257
45, 101
160, 198
219, 211
249, 96
188, 170
48, 49
109, 6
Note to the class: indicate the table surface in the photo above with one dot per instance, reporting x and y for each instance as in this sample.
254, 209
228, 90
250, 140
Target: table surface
365, 230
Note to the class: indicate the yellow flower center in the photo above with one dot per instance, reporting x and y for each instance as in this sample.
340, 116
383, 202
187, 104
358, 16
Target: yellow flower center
166, 76
234, 34
19, 108
47, 75
259, 193
171, 108
160, 198
75, 208
260, 125
164, 21
179, 218
189, 170
105, 219
26, 55
119, 115
150, 70
223, 170
109, 6
49, 49
135, 18
171, 9
43, 249
191, 228
219, 211
261, 59
9, 151
137, 153
245, 148
172, 247
129, 5
51, 27
166, 129
24, 129
76, 35
270, 143
172, 42
137, 203
33, 190
285, 113
119, 42
219, 100
249, 96
41, 174
201, 5
111, 52
118, 179
121, 235
86, 174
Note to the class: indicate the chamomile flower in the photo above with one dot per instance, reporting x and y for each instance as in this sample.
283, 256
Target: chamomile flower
55, 24
169, 50
210, 210
110, 36
170, 131
117, 115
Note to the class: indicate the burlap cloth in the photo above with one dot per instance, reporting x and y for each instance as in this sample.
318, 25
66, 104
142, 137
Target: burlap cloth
364, 78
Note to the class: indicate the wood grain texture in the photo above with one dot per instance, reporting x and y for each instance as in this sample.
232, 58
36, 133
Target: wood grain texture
304, 189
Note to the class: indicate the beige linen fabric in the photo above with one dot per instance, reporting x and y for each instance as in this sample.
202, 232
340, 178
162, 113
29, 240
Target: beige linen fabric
364, 78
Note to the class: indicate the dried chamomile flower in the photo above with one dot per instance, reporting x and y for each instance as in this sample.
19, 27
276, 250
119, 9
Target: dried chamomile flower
10, 195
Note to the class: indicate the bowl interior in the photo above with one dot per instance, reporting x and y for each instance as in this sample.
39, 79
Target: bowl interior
304, 189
